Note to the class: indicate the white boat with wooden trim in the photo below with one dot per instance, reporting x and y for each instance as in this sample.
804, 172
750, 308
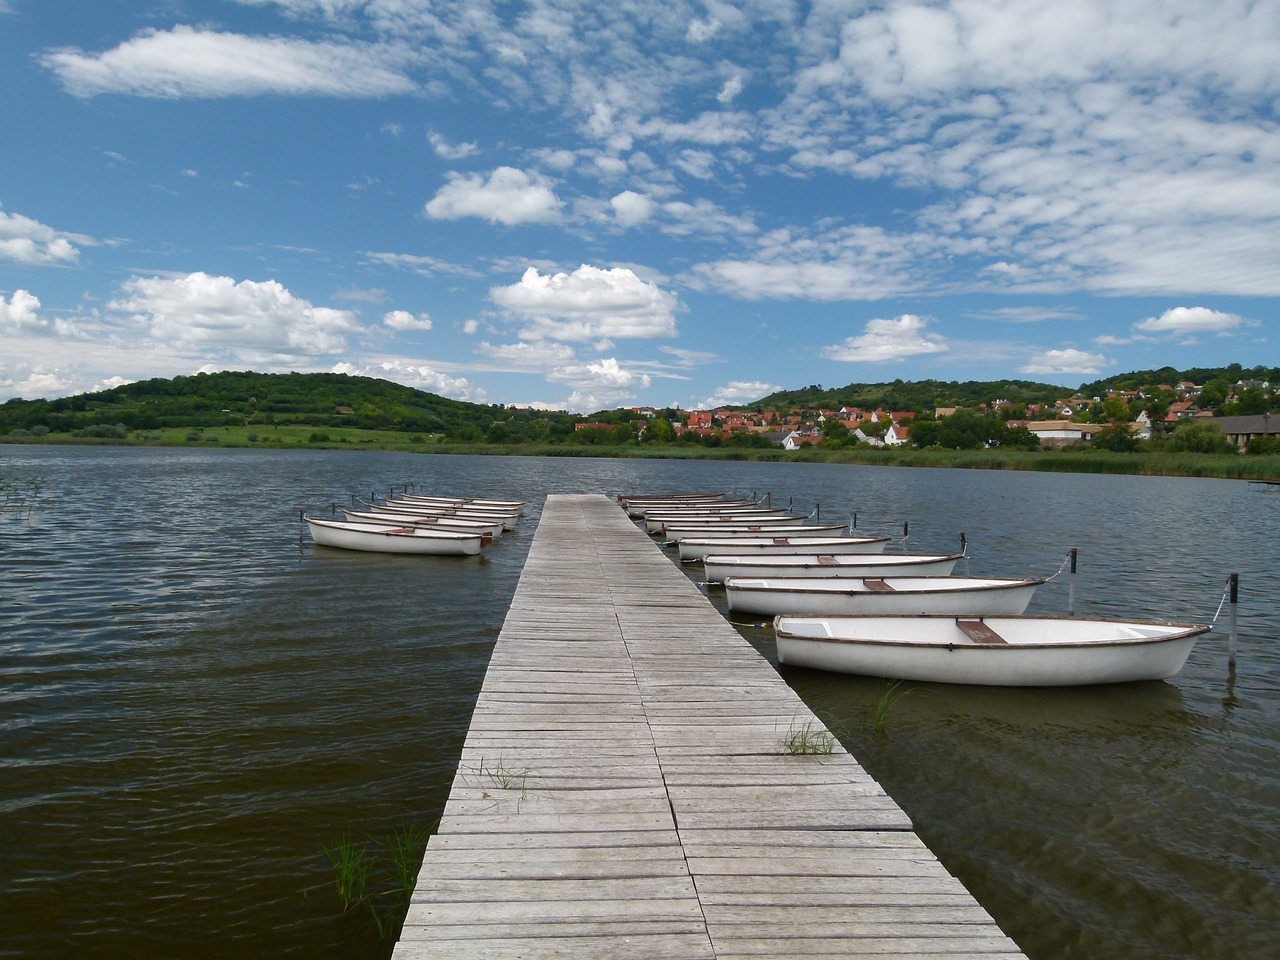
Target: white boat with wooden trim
826, 596
768, 528
993, 651
478, 502
509, 519
719, 567
412, 540
693, 549
659, 522
493, 528
635, 506
704, 506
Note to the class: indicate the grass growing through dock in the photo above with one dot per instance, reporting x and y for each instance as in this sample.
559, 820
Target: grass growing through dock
392, 877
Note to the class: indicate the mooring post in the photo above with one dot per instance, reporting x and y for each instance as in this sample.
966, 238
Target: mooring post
1233, 588
1071, 592
906, 525
817, 513
964, 551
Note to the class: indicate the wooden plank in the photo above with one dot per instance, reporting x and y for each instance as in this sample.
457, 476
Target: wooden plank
625, 789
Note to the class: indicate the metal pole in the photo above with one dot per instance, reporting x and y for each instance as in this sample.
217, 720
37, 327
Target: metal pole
1071, 593
1233, 583
905, 529
964, 550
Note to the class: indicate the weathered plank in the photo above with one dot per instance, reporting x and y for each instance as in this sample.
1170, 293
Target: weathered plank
626, 789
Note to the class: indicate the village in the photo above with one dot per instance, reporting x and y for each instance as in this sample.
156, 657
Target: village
1076, 420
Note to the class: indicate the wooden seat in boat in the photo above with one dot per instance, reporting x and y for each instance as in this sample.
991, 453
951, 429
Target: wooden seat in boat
979, 632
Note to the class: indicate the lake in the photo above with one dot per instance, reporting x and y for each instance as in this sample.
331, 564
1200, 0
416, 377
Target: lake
195, 701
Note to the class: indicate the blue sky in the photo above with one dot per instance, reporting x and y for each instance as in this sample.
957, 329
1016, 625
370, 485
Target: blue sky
586, 205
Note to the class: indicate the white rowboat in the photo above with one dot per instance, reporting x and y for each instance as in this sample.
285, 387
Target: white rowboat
479, 502
492, 527
768, 528
994, 651
693, 549
719, 567
508, 519
415, 540
659, 522
825, 596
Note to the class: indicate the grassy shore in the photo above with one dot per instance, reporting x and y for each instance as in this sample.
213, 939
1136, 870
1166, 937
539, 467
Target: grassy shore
1069, 460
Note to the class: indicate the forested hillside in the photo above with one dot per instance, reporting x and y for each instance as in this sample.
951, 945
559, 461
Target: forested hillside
264, 400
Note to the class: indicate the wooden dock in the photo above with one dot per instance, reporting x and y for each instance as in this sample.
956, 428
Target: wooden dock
625, 791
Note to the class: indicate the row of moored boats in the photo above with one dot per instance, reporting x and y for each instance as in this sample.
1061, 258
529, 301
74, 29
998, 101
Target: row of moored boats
418, 524
838, 602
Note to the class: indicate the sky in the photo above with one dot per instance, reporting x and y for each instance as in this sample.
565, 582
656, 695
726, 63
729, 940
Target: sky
587, 205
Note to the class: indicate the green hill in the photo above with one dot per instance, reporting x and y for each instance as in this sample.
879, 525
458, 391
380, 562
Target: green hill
265, 399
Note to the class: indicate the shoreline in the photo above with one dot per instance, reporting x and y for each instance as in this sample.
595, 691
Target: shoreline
1058, 460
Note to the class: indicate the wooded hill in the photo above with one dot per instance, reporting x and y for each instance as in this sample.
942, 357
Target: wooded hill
268, 399
924, 396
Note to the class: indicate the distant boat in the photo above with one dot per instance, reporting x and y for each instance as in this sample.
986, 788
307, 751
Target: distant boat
765, 528
475, 502
664, 523
719, 567
825, 596
509, 518
373, 539
493, 528
693, 549
992, 651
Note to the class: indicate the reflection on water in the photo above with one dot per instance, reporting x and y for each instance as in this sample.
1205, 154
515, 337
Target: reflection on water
193, 698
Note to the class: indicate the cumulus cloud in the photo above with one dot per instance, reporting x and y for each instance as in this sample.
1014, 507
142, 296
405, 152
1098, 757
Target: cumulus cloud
192, 62
886, 340
21, 313
589, 304
250, 320
630, 208
1066, 361
30, 242
509, 196
601, 384
739, 392
404, 320
1191, 320
418, 376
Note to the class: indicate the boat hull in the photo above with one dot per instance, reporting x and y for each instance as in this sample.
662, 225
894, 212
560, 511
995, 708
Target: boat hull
915, 596
694, 549
935, 650
719, 567
405, 540
767, 529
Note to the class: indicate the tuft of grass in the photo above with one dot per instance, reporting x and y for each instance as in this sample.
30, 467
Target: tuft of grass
500, 775
889, 693
351, 865
809, 738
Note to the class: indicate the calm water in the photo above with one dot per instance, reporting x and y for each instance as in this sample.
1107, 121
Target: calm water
193, 699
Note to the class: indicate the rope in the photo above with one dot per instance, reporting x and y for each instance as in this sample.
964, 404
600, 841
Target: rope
1222, 603
1060, 569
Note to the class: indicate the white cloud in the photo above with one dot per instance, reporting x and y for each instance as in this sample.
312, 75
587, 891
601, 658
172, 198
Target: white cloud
1191, 320
588, 304
732, 87
404, 320
886, 340
191, 62
418, 376
739, 392
28, 241
631, 208
535, 356
250, 320
509, 197
599, 385
1066, 361
451, 151
21, 313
